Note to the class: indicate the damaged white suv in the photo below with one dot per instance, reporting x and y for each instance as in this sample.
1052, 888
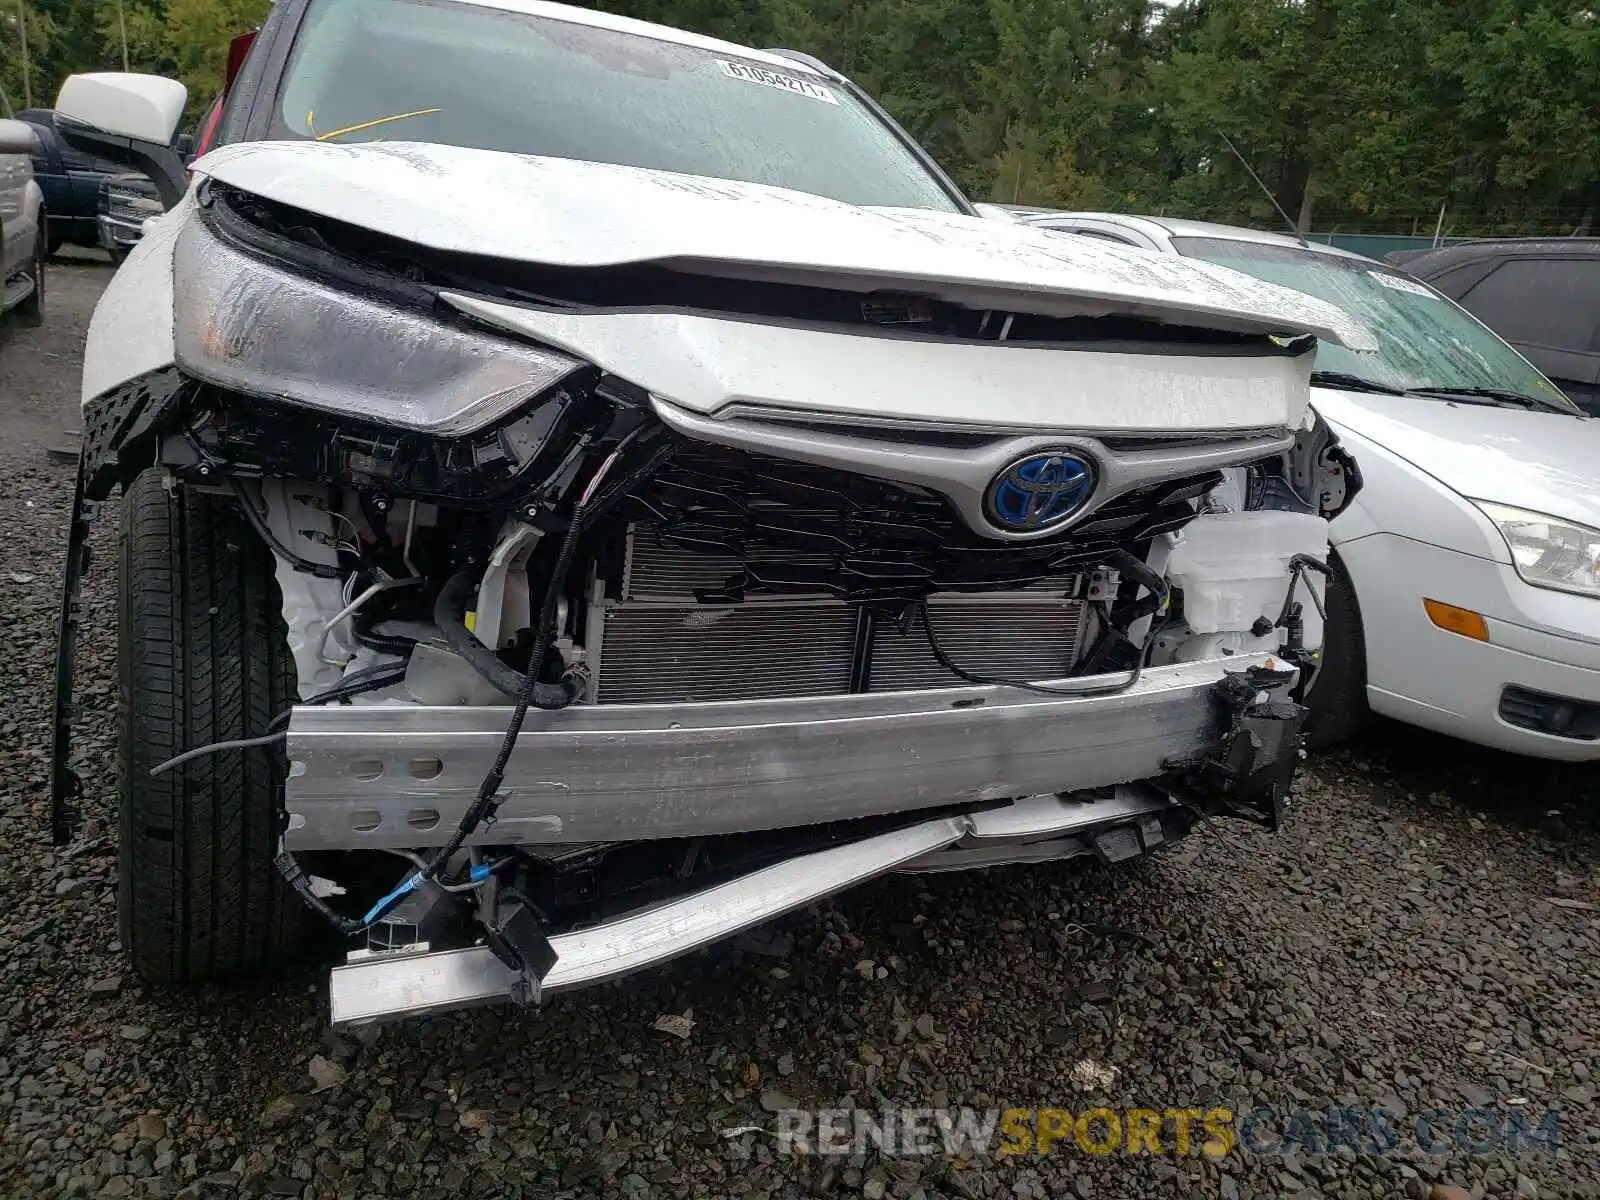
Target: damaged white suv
588, 488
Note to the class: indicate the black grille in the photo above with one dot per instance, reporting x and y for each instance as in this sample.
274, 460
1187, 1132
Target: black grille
804, 530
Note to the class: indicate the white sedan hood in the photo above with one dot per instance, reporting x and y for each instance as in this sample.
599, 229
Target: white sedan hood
561, 212
1540, 461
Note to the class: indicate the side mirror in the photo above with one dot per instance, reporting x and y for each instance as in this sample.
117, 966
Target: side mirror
141, 108
129, 119
184, 145
18, 137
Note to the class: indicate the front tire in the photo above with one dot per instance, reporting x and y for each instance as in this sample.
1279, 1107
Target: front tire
1338, 696
202, 658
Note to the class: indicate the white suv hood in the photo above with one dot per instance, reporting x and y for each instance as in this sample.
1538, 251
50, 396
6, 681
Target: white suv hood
561, 212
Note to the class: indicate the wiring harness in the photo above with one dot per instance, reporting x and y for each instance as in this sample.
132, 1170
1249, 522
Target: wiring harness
597, 498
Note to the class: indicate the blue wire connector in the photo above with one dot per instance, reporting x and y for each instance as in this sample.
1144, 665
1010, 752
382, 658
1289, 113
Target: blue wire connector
408, 884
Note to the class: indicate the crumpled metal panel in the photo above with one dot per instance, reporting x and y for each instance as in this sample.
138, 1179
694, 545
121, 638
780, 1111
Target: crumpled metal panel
568, 213
705, 363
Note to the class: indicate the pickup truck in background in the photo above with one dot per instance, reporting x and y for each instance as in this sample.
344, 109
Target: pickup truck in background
22, 219
70, 180
125, 203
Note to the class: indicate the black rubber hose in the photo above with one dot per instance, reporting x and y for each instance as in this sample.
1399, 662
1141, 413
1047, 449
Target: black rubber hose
449, 614
361, 628
1140, 573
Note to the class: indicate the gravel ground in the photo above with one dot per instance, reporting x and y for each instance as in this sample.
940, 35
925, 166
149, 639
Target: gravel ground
1395, 944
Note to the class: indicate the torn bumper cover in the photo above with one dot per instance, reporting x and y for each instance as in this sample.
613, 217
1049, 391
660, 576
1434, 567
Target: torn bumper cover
987, 768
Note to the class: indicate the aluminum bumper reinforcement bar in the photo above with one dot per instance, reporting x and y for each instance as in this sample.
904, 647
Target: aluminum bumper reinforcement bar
405, 983
387, 775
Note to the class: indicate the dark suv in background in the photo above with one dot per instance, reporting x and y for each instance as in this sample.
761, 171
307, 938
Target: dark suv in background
1541, 295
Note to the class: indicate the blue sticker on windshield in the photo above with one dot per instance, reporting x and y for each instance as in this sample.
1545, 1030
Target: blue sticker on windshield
787, 83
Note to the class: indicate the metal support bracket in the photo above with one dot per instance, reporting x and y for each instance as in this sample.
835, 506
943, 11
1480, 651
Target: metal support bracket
1247, 772
504, 605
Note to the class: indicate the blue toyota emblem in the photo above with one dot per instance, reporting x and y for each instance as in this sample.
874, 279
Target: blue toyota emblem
1039, 492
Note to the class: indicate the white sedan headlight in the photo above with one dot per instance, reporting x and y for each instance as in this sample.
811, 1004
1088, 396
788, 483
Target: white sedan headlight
1547, 551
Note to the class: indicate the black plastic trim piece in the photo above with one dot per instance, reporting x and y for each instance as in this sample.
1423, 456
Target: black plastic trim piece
866, 635
1554, 716
162, 164
1247, 772
66, 788
121, 428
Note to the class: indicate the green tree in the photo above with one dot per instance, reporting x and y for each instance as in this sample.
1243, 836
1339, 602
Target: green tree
21, 79
1354, 112
1522, 84
1068, 87
197, 36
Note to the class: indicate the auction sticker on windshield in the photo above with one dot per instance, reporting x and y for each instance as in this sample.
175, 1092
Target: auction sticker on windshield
1397, 284
800, 87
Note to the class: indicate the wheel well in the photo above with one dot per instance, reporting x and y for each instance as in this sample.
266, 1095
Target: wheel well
1342, 572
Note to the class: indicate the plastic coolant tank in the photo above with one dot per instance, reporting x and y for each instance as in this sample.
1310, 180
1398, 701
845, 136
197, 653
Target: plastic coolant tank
1234, 567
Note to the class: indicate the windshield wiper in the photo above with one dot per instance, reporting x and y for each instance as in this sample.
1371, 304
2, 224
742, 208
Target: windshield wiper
1355, 383
1470, 395
1495, 396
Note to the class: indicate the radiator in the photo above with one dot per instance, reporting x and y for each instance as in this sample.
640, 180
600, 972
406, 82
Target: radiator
658, 643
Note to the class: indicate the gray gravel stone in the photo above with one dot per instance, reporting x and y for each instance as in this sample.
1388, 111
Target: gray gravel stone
772, 1101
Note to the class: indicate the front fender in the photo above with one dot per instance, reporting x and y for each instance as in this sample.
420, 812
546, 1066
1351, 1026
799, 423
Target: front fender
1400, 498
130, 333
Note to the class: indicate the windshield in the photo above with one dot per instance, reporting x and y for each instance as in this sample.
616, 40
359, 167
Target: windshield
471, 75
1425, 341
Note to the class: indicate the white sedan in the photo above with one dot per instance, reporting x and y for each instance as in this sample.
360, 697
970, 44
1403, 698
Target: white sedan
1466, 597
